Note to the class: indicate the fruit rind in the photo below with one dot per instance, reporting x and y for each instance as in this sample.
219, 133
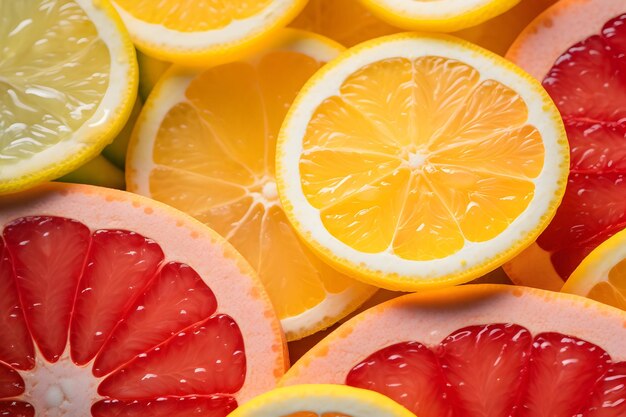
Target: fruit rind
320, 399
386, 270
445, 16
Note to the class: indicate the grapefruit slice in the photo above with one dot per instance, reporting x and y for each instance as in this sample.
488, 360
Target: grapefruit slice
415, 161
319, 400
576, 48
114, 305
481, 350
205, 145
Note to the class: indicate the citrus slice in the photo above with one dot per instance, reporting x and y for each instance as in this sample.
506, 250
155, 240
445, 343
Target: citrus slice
114, 305
319, 400
205, 144
576, 48
200, 33
602, 274
68, 81
437, 15
349, 23
481, 350
414, 161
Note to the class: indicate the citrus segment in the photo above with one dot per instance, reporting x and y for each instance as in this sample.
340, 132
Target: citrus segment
480, 350
176, 299
582, 72
16, 408
391, 165
195, 33
213, 406
120, 264
17, 350
208, 150
66, 89
145, 334
44, 249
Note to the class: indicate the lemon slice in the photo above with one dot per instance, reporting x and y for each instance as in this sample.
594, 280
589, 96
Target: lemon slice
414, 161
321, 400
205, 145
438, 15
204, 32
602, 274
68, 81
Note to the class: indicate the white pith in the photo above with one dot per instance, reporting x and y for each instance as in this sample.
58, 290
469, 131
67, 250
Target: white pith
307, 218
170, 92
182, 239
236, 31
431, 8
90, 133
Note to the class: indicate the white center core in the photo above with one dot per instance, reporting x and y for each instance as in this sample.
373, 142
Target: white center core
416, 159
60, 389
270, 191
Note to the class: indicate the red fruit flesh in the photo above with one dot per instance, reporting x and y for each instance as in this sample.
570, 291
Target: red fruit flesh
588, 85
214, 406
17, 347
177, 299
497, 370
11, 383
151, 326
16, 409
119, 266
205, 359
48, 254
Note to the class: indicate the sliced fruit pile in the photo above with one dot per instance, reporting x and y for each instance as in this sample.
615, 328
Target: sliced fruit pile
577, 49
117, 305
480, 350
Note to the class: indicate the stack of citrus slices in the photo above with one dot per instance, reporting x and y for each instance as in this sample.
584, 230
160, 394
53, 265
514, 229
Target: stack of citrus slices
293, 179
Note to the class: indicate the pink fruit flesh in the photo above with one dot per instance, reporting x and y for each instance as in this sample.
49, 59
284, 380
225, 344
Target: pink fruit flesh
497, 370
588, 85
151, 326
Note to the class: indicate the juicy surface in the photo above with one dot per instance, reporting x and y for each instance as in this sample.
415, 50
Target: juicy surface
192, 15
497, 370
54, 71
419, 157
588, 84
214, 156
151, 326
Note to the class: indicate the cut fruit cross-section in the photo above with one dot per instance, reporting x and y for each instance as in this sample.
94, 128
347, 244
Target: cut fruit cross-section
414, 161
197, 33
205, 145
321, 401
577, 48
481, 350
125, 324
68, 81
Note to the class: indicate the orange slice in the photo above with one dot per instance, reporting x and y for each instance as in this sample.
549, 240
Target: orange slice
602, 274
113, 304
321, 401
480, 350
205, 144
414, 161
199, 33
